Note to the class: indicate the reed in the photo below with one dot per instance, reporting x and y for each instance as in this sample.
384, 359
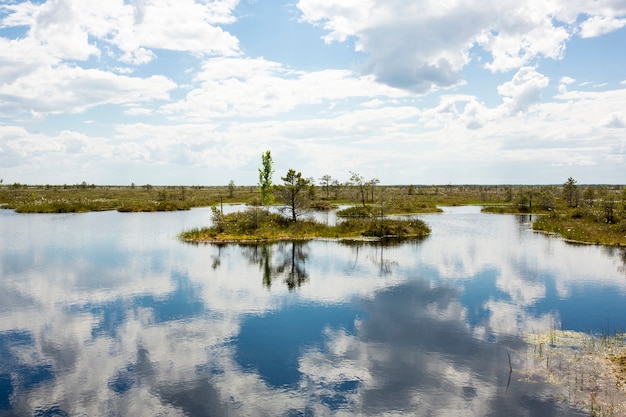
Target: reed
589, 369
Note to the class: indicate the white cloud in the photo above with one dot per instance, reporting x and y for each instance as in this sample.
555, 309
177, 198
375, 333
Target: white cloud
599, 25
237, 87
19, 58
424, 46
178, 25
564, 82
219, 114
63, 27
405, 42
138, 111
524, 90
66, 89
571, 129
58, 28
616, 120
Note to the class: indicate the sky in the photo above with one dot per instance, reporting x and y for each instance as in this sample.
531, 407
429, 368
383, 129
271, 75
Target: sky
192, 92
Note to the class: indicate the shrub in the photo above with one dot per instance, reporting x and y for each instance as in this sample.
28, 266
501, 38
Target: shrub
356, 211
321, 205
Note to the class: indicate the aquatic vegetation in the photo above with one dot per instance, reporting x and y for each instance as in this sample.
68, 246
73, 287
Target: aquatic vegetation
590, 369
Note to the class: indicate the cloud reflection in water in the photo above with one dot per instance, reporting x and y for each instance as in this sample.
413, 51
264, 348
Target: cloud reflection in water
317, 328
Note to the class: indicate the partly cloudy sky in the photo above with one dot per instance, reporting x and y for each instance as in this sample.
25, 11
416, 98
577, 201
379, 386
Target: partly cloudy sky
184, 92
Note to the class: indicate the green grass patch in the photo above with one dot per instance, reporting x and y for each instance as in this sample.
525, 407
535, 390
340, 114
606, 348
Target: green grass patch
321, 205
356, 211
399, 206
582, 229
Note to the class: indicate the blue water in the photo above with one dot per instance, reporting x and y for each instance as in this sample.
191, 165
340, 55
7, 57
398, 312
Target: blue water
109, 314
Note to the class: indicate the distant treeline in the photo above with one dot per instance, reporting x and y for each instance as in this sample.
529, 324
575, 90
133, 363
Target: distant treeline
524, 198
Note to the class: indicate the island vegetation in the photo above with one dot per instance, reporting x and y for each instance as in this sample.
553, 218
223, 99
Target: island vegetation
258, 225
295, 193
592, 213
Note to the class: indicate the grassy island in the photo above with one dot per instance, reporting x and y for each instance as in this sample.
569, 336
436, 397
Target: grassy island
257, 225
597, 215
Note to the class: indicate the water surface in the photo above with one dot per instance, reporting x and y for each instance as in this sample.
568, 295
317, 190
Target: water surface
109, 314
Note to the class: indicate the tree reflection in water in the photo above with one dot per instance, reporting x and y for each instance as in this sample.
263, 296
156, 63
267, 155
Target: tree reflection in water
217, 259
385, 266
294, 255
283, 259
620, 256
287, 259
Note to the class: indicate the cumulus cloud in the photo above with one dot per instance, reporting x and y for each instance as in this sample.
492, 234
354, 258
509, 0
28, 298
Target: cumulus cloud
19, 58
230, 87
599, 25
424, 46
524, 90
64, 89
216, 107
64, 27
616, 121
47, 70
564, 82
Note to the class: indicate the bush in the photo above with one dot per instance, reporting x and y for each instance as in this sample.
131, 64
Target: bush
413, 227
356, 211
321, 205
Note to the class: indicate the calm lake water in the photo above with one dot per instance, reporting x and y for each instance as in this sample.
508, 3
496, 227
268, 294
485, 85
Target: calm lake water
108, 314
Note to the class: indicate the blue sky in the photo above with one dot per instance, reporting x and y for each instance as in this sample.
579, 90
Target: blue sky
410, 92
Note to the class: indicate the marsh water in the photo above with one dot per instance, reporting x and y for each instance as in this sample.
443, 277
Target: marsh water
108, 314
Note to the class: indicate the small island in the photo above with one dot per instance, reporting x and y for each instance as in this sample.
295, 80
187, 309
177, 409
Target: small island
259, 225
597, 215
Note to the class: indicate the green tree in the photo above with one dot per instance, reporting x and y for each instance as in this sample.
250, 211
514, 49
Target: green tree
508, 194
545, 200
231, 188
371, 184
523, 203
589, 195
326, 181
336, 185
610, 210
265, 179
358, 181
292, 192
570, 192
217, 216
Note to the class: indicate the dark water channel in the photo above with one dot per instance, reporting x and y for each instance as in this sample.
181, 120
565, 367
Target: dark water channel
108, 314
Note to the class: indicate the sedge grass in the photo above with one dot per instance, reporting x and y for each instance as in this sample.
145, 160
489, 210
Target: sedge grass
588, 370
